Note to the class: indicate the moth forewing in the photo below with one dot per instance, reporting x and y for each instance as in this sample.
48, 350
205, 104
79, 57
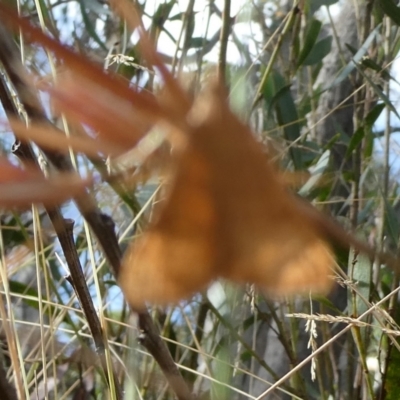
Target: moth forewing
174, 258
264, 235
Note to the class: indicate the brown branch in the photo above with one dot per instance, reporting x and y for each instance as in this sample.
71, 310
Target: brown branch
6, 389
66, 238
225, 32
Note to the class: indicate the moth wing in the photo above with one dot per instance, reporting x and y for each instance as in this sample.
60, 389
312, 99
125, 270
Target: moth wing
283, 252
294, 260
174, 258
265, 235
307, 270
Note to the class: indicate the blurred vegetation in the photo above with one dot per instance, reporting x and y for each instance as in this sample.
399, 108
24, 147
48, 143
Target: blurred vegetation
316, 82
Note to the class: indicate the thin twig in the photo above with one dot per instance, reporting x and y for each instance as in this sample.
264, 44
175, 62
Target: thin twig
6, 389
225, 32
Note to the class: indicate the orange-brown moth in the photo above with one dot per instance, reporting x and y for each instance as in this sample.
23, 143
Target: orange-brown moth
226, 215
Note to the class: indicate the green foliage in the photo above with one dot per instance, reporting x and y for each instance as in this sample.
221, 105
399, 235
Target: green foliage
391, 10
278, 95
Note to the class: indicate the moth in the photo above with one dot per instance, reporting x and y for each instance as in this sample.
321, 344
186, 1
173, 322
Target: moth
226, 215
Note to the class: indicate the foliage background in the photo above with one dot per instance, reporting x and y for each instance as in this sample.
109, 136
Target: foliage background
312, 85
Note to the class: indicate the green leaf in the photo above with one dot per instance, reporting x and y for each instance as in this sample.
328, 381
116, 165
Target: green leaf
196, 42
14, 231
368, 63
395, 46
391, 10
368, 145
46, 16
31, 297
269, 91
360, 271
21, 288
367, 210
317, 172
392, 382
327, 303
90, 27
373, 115
348, 69
127, 70
319, 51
391, 221
249, 322
355, 140
352, 49
317, 4
310, 152
245, 356
378, 91
311, 37
97, 7
335, 138
286, 112
177, 17
162, 13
